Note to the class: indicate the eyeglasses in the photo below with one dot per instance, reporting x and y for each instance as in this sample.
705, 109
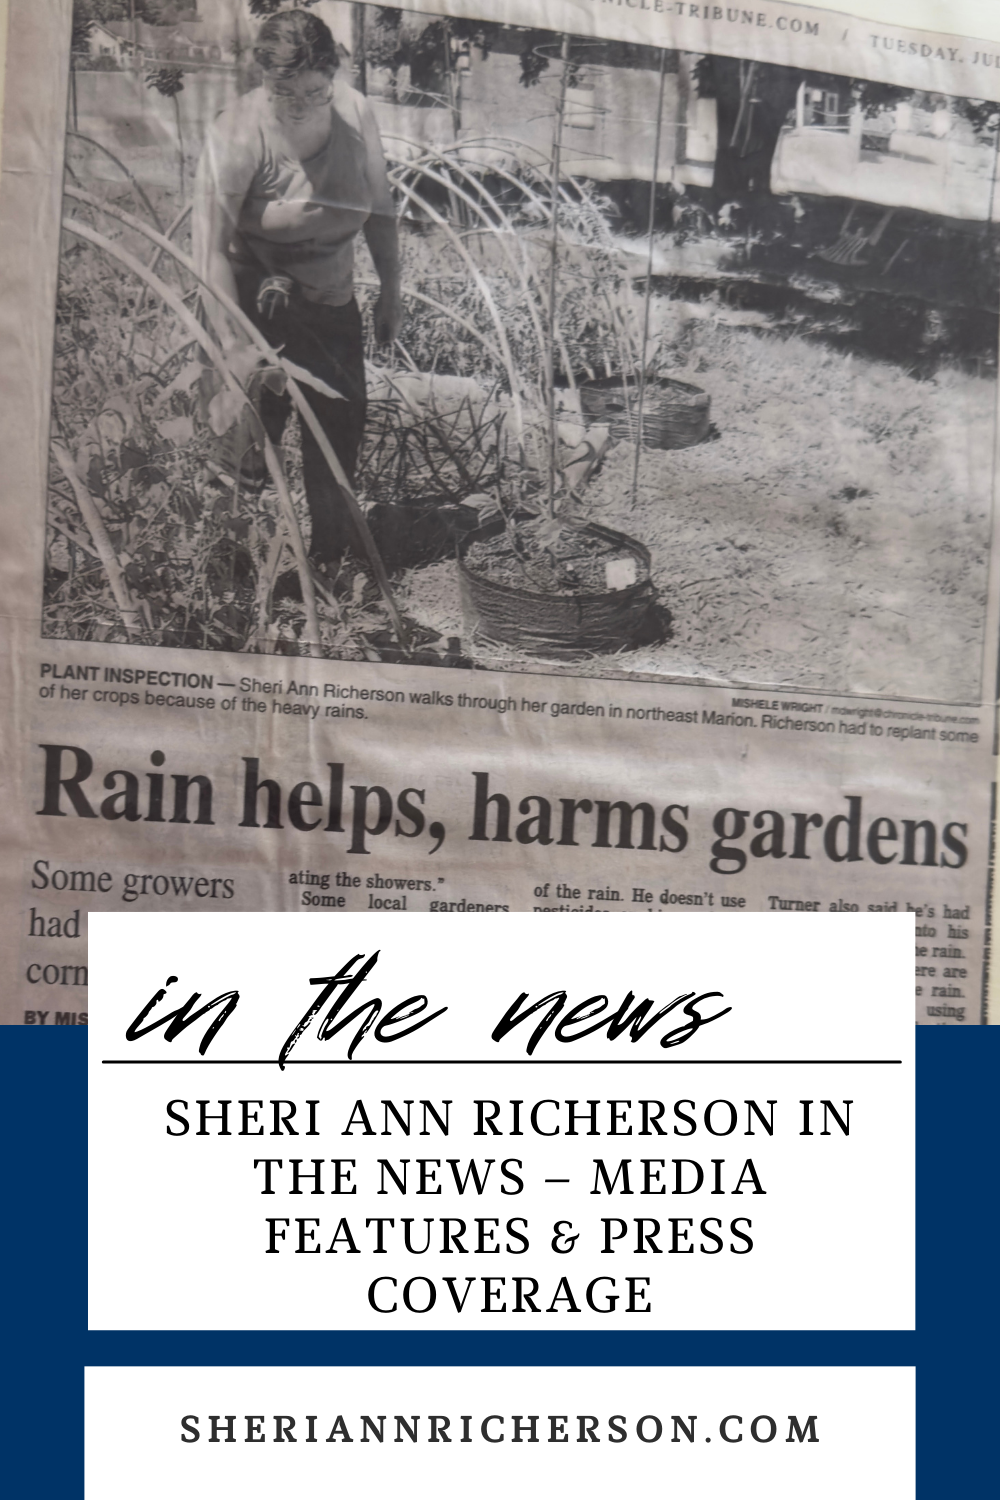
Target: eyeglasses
290, 96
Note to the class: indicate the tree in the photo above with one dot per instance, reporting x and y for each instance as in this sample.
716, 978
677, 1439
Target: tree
752, 104
753, 101
982, 114
86, 12
170, 83
268, 7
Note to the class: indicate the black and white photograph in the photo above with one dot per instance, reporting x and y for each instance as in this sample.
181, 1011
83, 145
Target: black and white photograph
386, 336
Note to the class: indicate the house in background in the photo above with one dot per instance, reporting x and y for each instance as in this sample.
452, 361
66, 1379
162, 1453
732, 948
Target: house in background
194, 42
113, 41
460, 91
921, 153
218, 33
609, 126
142, 44
226, 24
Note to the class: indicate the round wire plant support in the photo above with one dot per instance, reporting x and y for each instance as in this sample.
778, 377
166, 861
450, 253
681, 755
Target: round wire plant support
567, 625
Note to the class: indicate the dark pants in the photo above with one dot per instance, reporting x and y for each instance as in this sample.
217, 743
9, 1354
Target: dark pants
326, 341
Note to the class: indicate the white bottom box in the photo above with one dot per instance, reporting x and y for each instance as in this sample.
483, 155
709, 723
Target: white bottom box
761, 1431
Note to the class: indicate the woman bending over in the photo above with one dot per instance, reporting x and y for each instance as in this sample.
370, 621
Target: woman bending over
290, 173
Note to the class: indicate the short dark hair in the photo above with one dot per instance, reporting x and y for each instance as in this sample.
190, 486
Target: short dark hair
293, 42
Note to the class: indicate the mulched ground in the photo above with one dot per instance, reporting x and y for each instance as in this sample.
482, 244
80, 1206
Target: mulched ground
833, 536
552, 560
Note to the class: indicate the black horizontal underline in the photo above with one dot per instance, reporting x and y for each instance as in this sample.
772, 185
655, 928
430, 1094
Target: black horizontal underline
503, 1062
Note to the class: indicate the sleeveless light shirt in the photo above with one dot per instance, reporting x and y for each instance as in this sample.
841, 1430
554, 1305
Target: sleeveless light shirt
298, 218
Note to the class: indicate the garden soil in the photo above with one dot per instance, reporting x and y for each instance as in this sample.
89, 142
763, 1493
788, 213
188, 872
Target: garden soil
831, 536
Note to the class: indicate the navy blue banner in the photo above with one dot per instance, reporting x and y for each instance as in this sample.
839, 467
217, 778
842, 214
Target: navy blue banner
44, 1105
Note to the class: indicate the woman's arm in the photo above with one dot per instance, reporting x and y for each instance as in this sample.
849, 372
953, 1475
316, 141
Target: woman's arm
381, 234
383, 242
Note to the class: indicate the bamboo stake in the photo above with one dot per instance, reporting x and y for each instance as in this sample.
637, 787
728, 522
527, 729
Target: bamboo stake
456, 118
746, 87
550, 359
649, 278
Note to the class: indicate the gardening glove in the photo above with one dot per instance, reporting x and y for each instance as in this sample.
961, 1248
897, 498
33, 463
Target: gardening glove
387, 317
274, 295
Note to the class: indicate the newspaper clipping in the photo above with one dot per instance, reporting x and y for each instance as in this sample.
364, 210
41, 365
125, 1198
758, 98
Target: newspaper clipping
456, 464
